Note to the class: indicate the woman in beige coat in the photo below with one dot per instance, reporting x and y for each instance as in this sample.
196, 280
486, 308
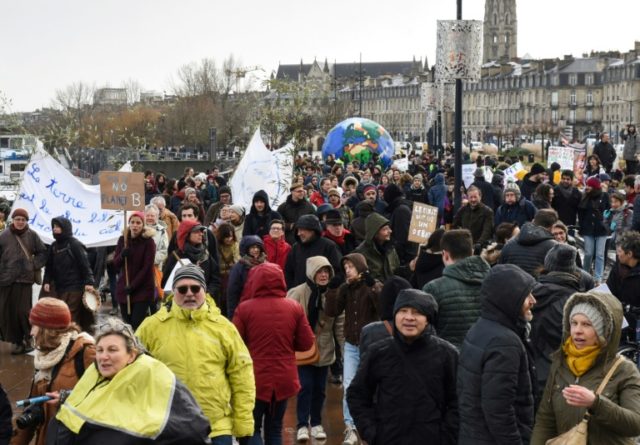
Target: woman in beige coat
313, 378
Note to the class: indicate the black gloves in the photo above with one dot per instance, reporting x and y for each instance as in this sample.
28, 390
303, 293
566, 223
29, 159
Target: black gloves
128, 290
368, 279
125, 252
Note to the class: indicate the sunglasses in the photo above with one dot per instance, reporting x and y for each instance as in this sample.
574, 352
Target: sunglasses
195, 288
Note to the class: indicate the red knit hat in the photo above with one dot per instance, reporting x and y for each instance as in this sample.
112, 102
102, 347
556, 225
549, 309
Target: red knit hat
51, 313
20, 212
594, 183
138, 214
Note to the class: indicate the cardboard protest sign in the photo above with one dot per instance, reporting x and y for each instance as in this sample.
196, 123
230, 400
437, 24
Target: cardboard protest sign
122, 191
424, 220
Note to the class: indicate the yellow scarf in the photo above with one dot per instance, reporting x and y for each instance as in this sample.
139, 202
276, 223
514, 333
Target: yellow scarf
579, 361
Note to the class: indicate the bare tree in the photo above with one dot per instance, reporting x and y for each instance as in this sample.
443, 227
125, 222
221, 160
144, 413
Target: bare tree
133, 89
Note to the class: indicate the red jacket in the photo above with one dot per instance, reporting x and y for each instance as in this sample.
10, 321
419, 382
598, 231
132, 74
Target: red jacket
317, 199
277, 251
273, 328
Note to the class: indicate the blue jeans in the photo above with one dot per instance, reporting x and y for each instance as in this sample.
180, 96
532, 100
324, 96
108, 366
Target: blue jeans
594, 245
222, 440
272, 414
351, 362
313, 380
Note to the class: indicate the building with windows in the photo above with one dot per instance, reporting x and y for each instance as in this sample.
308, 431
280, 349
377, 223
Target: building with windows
110, 97
621, 91
500, 30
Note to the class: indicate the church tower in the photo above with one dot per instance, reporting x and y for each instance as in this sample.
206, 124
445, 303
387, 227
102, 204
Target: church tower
500, 30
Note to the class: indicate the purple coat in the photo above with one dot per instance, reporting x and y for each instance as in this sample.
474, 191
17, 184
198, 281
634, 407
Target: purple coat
142, 252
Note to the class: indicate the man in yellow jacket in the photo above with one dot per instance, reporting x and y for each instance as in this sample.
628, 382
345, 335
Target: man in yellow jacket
205, 351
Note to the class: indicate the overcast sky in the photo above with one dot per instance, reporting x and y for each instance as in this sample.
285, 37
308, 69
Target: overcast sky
46, 45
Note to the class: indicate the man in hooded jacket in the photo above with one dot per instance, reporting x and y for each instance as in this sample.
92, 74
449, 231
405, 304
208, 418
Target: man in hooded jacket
259, 219
399, 213
409, 380
496, 373
69, 271
310, 242
378, 248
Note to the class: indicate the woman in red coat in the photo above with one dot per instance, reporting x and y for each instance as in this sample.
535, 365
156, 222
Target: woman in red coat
273, 328
140, 254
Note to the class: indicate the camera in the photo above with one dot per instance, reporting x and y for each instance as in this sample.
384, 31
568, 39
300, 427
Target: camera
31, 417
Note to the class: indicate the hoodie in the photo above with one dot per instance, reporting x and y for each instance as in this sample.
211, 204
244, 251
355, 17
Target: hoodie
528, 249
273, 328
496, 375
258, 223
382, 259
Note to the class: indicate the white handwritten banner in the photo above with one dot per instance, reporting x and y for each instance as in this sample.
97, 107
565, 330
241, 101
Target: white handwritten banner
467, 174
48, 190
261, 169
562, 155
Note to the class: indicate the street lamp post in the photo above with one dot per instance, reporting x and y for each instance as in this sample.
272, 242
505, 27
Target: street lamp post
458, 133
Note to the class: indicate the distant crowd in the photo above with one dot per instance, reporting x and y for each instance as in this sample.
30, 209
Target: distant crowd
497, 330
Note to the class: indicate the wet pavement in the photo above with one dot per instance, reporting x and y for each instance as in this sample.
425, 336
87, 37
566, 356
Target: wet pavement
16, 372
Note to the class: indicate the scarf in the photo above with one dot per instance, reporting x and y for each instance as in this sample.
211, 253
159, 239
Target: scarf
565, 191
579, 361
44, 362
315, 303
339, 240
250, 261
18, 231
196, 254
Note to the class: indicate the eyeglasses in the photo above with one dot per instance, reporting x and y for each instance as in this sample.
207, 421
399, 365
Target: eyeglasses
276, 229
558, 233
194, 288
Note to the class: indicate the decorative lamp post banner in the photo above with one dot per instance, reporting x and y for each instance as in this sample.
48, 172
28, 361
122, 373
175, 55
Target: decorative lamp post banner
447, 97
459, 51
429, 96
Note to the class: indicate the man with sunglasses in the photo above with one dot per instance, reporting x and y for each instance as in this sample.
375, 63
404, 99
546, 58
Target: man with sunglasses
205, 351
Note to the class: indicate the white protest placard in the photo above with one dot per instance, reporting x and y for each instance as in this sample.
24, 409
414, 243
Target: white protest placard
402, 164
467, 174
261, 169
510, 173
561, 155
48, 190
424, 220
168, 286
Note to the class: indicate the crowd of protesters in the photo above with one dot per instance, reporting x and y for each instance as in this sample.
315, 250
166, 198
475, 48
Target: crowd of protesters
496, 331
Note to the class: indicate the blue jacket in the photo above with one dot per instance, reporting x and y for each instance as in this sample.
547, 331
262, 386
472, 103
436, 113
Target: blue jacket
519, 213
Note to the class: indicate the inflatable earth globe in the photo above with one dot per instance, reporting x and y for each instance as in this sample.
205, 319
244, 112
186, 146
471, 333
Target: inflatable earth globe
357, 139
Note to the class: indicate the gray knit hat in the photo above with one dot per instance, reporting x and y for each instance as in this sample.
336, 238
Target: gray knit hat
237, 208
594, 315
512, 187
189, 271
561, 258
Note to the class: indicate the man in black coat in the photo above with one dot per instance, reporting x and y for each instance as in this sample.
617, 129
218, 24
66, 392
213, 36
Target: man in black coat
408, 380
292, 209
399, 213
605, 151
309, 242
566, 199
529, 248
496, 375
